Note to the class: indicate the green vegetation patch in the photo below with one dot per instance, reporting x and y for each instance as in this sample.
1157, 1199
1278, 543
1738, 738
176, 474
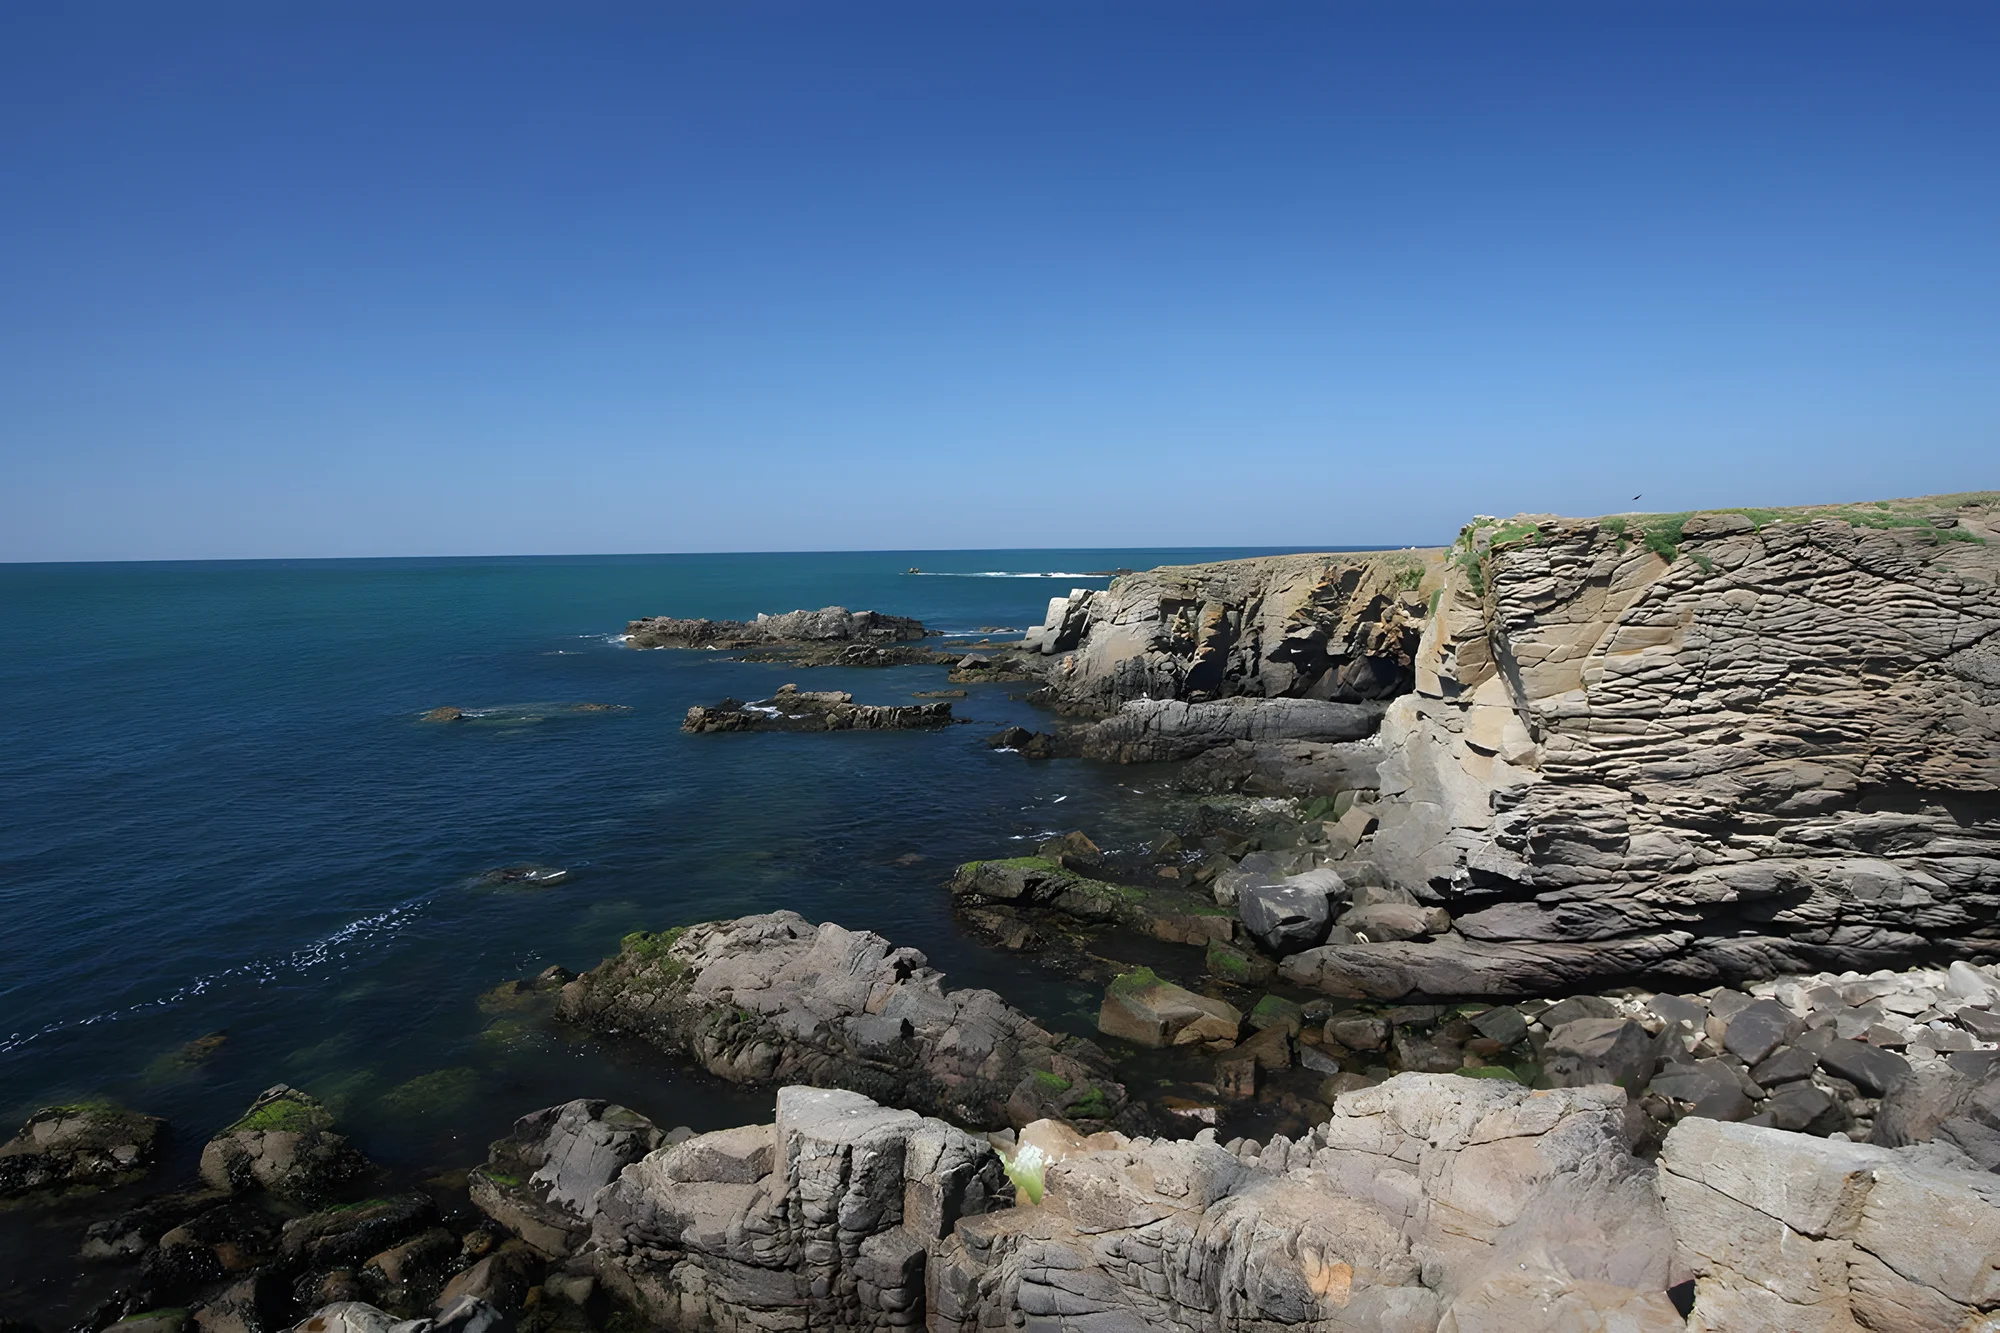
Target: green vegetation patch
1051, 1082
1137, 981
1490, 1071
1092, 1105
1041, 863
1228, 962
284, 1115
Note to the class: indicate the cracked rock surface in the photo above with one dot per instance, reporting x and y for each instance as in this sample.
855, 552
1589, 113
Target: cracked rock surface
776, 999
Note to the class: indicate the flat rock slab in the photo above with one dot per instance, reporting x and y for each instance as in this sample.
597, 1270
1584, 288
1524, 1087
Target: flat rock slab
1141, 1008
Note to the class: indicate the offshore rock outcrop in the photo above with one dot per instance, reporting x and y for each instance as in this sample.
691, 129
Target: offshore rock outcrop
775, 999
794, 709
799, 629
1339, 627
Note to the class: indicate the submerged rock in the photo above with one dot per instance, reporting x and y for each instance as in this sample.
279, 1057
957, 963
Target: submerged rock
793, 709
774, 998
65, 1149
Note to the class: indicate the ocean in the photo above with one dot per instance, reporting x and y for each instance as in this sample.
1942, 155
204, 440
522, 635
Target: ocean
224, 816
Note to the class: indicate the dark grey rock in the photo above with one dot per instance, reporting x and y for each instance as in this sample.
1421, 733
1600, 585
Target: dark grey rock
1680, 1009
1871, 1068
1290, 915
1981, 1023
1757, 1029
1503, 1024
1599, 1050
1787, 1064
1799, 1106
1577, 1006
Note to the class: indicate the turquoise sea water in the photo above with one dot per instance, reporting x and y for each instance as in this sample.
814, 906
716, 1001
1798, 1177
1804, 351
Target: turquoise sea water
222, 815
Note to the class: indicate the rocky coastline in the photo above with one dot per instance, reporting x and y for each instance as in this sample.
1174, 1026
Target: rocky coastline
1592, 925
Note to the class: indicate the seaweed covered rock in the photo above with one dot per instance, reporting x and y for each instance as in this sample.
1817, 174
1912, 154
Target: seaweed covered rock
285, 1146
63, 1149
1141, 1008
774, 998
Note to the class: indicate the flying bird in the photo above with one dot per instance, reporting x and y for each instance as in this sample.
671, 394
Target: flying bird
1640, 496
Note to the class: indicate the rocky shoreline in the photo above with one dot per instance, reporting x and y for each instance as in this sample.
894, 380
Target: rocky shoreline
1593, 925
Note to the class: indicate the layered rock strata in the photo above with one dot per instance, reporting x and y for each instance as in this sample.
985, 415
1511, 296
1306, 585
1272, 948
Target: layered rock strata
1685, 748
1157, 730
793, 709
1759, 749
774, 998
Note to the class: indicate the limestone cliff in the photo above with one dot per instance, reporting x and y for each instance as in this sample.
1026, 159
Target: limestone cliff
1693, 747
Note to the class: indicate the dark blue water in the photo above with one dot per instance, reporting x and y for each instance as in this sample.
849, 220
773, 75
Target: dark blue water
222, 814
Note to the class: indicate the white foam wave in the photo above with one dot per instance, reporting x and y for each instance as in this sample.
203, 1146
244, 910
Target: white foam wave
261, 971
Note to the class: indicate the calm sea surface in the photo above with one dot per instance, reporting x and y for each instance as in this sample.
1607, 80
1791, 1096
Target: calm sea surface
221, 815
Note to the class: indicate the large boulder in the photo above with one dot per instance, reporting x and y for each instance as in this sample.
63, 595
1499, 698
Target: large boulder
542, 1181
1292, 913
284, 1145
66, 1149
774, 998
822, 1221
1786, 1233
1141, 1008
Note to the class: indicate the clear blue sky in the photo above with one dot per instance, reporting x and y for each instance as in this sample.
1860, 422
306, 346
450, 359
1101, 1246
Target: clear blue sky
353, 279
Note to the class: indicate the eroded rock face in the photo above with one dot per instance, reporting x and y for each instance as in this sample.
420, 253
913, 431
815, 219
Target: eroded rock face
1777, 751
1786, 1233
63, 1149
774, 998
824, 1220
829, 625
1428, 1202
541, 1183
1342, 627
